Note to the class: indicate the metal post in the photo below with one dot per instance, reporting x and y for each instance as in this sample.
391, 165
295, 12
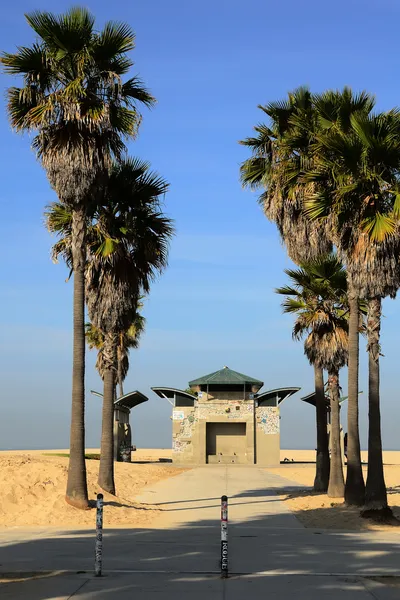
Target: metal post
99, 536
224, 537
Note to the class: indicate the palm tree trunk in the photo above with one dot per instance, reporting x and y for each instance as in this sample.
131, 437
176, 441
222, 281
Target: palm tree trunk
355, 487
375, 491
119, 375
106, 470
321, 480
77, 494
336, 479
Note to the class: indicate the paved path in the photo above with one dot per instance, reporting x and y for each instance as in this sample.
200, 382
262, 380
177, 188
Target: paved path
270, 553
196, 497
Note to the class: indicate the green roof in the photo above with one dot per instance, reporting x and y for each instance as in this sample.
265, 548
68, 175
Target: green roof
226, 376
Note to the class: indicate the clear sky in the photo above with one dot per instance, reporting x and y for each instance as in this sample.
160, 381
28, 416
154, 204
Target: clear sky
209, 64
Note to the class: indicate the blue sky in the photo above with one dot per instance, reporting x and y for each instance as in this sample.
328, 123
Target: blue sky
209, 64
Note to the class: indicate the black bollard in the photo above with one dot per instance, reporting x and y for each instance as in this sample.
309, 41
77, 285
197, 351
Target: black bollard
98, 562
224, 537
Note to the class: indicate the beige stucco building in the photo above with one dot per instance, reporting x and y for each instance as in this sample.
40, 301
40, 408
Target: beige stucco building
225, 419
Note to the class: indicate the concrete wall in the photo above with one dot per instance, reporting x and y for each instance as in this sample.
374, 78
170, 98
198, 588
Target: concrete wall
189, 429
259, 444
183, 434
267, 436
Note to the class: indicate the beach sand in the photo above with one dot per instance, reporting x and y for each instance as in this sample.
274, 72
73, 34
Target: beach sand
317, 510
32, 488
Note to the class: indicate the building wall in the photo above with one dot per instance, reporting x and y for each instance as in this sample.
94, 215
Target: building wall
183, 428
189, 430
267, 436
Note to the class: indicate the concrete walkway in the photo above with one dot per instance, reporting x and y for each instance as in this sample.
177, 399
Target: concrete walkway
195, 497
270, 553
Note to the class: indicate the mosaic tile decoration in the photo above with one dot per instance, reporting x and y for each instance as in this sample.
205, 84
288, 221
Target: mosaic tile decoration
205, 411
268, 420
180, 446
187, 426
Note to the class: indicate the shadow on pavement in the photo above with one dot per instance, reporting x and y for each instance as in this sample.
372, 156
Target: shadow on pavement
267, 557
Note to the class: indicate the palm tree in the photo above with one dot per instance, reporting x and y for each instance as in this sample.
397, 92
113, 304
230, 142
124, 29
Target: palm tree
317, 296
360, 169
281, 153
271, 168
297, 297
127, 247
127, 340
74, 99
279, 150
334, 111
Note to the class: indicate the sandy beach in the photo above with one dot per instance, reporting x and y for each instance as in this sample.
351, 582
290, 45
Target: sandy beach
317, 510
32, 487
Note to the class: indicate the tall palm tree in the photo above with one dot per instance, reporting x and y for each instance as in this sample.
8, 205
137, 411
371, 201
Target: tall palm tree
334, 110
127, 247
278, 150
360, 170
298, 299
317, 296
281, 153
73, 97
127, 340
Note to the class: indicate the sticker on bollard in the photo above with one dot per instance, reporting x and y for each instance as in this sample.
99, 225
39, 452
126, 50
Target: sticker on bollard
98, 561
224, 536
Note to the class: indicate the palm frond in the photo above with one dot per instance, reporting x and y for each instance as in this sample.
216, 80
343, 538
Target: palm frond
64, 34
378, 226
134, 92
115, 38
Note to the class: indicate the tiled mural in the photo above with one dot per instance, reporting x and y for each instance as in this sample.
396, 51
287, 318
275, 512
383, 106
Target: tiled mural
227, 408
187, 426
268, 419
179, 445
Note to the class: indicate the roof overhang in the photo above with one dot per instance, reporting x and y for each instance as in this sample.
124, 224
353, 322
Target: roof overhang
280, 394
171, 394
130, 400
311, 399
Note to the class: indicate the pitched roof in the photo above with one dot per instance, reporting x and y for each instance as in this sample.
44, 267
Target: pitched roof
226, 376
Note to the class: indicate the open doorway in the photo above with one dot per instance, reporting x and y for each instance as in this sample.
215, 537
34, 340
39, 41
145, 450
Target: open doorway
226, 442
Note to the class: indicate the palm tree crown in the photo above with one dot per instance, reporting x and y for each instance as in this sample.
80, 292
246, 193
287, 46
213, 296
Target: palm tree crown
318, 298
317, 295
356, 185
279, 152
74, 97
127, 340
